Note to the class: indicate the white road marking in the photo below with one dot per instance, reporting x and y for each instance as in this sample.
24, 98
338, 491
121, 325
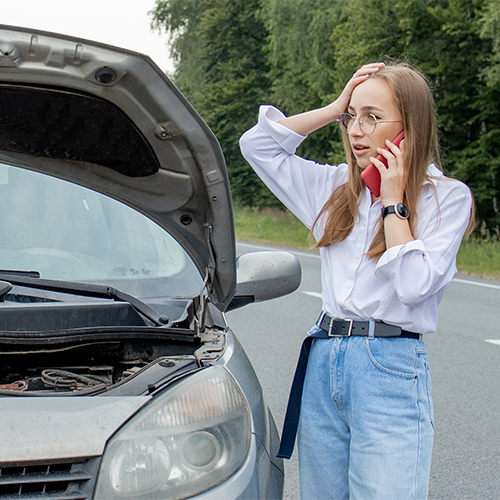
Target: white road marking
458, 280
477, 283
315, 255
492, 341
318, 296
303, 253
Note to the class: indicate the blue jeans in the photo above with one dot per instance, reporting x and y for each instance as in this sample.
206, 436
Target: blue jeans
366, 424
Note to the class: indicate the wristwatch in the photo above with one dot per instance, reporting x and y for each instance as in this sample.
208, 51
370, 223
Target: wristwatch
399, 209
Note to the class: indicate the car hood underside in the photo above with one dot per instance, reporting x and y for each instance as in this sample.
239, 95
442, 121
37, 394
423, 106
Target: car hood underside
110, 120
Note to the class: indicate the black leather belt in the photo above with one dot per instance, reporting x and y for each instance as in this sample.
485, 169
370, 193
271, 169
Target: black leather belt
329, 327
338, 327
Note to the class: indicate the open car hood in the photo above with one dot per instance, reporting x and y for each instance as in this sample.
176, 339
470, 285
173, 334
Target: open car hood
109, 119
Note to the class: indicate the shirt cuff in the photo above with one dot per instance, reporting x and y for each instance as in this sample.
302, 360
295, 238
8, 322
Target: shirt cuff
389, 261
285, 137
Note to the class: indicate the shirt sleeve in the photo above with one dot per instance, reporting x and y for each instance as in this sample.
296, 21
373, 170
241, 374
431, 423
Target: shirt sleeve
303, 186
426, 266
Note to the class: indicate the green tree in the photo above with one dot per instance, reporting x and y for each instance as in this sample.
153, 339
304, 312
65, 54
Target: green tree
298, 54
302, 65
467, 106
222, 70
487, 147
490, 30
443, 38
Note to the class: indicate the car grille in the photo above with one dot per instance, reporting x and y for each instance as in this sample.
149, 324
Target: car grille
49, 481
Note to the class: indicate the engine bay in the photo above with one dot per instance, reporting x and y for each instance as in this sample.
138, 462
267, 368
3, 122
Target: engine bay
95, 367
85, 348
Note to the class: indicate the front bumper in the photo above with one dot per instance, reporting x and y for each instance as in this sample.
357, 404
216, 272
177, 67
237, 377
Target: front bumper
75, 479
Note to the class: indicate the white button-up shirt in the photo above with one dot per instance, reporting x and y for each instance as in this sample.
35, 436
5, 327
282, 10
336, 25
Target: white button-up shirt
405, 286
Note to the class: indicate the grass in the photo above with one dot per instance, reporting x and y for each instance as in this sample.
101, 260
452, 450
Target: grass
270, 226
479, 256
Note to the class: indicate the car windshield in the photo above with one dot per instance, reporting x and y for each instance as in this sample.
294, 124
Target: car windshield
67, 232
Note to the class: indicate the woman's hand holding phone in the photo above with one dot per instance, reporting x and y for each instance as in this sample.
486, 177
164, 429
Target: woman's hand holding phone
397, 231
371, 174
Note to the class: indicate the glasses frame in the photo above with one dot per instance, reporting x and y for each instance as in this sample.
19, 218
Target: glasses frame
352, 119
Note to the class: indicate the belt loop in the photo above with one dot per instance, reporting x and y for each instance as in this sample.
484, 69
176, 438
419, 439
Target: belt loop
371, 329
320, 319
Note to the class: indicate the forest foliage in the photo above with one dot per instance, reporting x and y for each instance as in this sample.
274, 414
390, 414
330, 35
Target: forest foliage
233, 55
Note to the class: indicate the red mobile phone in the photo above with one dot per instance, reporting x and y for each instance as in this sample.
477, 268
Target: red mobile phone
371, 175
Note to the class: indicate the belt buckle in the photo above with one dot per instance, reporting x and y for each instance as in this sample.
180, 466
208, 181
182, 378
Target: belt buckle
348, 334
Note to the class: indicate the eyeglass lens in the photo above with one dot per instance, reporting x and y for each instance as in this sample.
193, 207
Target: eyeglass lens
367, 122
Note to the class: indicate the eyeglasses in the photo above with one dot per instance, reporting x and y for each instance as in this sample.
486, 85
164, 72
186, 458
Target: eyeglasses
367, 122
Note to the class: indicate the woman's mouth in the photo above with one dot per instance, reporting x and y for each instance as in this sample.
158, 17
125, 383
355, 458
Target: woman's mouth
359, 149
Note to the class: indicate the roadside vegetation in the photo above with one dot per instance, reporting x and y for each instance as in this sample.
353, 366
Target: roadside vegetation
270, 226
478, 256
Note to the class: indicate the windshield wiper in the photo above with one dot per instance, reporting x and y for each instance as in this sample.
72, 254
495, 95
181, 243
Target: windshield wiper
15, 272
26, 278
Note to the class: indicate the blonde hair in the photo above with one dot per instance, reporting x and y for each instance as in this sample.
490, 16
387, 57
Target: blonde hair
413, 99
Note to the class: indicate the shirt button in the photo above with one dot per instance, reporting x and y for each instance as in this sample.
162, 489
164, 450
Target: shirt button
358, 256
348, 286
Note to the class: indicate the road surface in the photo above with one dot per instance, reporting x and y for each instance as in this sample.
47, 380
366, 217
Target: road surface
465, 362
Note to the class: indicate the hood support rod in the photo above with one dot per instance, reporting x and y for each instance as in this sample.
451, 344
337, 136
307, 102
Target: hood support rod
208, 282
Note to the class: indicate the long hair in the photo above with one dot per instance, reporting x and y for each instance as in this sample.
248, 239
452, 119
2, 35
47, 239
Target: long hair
413, 99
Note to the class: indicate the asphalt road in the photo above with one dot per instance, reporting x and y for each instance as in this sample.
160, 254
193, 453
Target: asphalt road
465, 366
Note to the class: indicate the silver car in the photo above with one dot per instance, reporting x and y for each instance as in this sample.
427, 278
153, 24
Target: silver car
119, 375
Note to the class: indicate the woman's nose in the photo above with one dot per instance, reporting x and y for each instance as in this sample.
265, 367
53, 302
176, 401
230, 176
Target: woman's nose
355, 128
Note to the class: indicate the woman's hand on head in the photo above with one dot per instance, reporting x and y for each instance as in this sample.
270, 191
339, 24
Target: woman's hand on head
361, 75
305, 123
392, 185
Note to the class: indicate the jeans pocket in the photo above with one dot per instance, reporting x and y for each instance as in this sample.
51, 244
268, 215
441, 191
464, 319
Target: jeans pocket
393, 356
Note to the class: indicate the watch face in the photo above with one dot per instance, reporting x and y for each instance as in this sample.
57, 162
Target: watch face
402, 211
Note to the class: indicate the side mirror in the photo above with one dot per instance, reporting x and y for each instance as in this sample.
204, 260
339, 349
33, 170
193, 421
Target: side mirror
263, 276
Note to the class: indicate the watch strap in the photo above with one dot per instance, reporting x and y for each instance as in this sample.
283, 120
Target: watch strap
391, 209
399, 209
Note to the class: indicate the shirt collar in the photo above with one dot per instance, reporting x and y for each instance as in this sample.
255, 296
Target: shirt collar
433, 171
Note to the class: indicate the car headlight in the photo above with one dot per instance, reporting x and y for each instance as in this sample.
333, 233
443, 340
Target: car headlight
186, 441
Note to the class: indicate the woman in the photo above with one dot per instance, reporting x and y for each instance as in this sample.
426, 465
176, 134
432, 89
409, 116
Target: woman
366, 420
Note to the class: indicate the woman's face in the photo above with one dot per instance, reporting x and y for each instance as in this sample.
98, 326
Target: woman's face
372, 96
